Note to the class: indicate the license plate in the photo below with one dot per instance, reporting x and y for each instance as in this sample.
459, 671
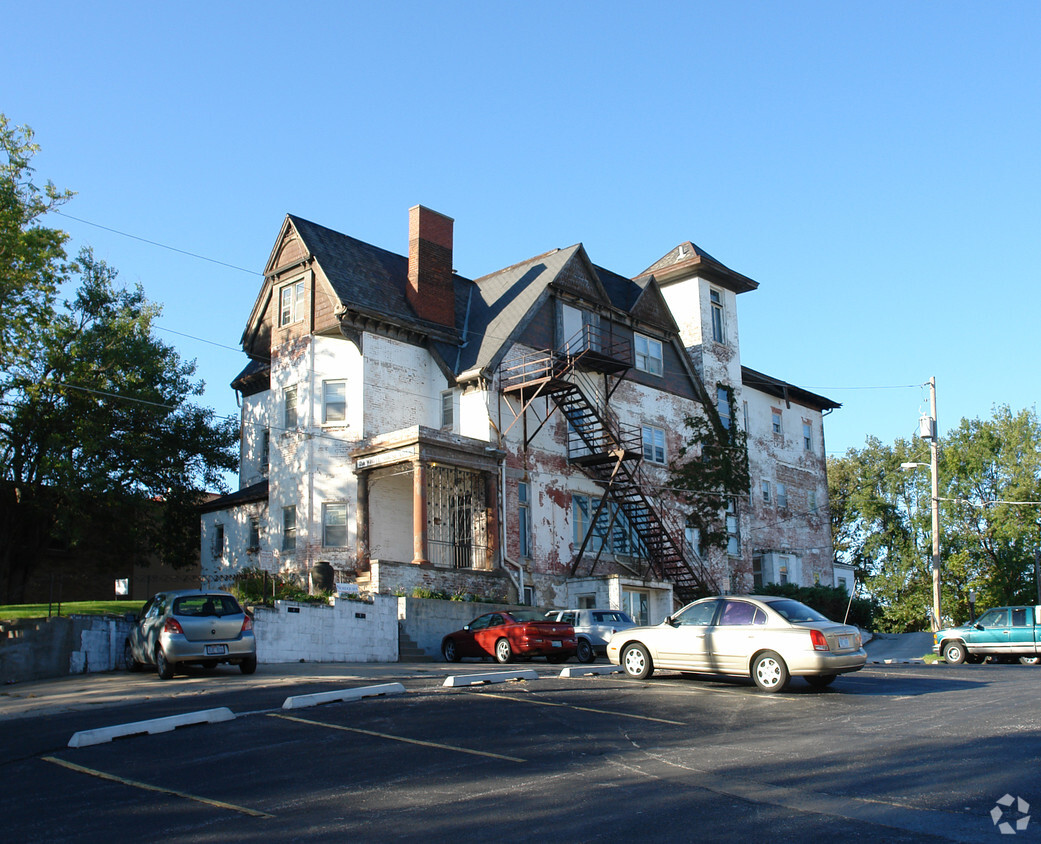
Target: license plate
555, 644
215, 650
843, 641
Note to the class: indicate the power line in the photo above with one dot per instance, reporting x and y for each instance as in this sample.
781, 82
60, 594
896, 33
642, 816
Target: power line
156, 243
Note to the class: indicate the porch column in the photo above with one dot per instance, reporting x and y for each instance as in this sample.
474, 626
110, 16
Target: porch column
419, 514
362, 522
491, 504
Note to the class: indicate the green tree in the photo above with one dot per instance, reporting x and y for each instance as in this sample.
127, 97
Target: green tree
882, 523
99, 435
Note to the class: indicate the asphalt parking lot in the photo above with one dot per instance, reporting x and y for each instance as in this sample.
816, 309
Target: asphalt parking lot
893, 753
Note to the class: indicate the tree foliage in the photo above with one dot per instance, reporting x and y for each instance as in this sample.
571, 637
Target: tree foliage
711, 471
989, 486
99, 435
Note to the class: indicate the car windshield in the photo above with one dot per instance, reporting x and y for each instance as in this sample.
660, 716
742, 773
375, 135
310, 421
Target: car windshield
795, 612
527, 615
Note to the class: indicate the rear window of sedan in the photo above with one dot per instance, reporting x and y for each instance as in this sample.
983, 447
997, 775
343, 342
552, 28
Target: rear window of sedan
795, 612
206, 605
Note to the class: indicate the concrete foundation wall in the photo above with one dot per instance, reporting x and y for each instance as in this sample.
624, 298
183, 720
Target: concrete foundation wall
34, 649
346, 631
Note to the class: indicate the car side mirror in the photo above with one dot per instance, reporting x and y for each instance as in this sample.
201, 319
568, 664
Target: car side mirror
669, 621
979, 626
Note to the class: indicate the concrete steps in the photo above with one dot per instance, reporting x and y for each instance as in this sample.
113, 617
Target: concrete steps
409, 651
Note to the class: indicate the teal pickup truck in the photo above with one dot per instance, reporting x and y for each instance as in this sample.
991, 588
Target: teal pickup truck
1003, 634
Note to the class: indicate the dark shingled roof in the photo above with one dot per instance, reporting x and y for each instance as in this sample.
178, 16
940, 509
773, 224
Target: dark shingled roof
784, 390
257, 492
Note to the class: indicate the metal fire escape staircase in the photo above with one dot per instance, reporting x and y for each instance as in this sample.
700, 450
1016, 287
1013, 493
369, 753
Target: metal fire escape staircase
609, 452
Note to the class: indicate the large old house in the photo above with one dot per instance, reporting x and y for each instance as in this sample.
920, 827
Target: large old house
508, 436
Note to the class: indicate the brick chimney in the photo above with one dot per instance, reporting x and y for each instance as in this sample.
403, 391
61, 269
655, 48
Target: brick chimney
430, 290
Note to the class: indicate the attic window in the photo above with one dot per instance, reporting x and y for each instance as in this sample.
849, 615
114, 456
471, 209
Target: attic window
648, 354
291, 304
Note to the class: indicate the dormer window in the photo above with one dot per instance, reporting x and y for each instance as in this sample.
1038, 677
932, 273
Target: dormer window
291, 304
648, 354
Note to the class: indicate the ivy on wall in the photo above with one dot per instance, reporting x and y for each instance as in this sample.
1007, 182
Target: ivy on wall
711, 470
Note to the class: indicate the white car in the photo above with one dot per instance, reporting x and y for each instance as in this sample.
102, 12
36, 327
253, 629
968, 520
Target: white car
592, 628
767, 638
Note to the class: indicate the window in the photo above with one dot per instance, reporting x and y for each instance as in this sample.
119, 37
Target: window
807, 436
218, 541
583, 507
782, 570
723, 405
334, 525
524, 519
782, 496
254, 533
586, 602
265, 450
733, 537
291, 304
654, 444
811, 501
693, 537
289, 397
636, 604
766, 491
334, 401
529, 596
447, 410
716, 301
648, 354
775, 416
289, 528
744, 409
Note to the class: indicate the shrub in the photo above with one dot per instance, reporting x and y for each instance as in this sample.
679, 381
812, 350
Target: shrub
828, 600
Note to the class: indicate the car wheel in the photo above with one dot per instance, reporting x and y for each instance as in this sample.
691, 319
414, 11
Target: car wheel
248, 665
163, 665
769, 672
585, 651
129, 662
954, 653
637, 662
821, 681
503, 651
449, 651
1028, 660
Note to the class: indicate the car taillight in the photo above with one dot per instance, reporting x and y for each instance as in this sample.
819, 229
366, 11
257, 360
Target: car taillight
173, 626
247, 624
819, 642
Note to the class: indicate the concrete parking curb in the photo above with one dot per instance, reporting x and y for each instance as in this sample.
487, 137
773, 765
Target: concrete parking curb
497, 677
582, 670
85, 738
304, 701
896, 662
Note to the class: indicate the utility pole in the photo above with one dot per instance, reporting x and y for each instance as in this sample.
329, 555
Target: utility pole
934, 465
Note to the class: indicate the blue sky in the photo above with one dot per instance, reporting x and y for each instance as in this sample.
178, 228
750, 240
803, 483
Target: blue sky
875, 167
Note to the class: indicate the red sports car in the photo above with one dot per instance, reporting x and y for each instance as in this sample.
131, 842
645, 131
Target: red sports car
505, 635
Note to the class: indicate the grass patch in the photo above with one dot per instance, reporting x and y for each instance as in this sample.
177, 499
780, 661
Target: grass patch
120, 608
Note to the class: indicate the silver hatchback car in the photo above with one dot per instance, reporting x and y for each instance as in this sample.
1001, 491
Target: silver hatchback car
191, 627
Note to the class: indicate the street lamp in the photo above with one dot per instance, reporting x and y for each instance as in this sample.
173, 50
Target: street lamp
927, 431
